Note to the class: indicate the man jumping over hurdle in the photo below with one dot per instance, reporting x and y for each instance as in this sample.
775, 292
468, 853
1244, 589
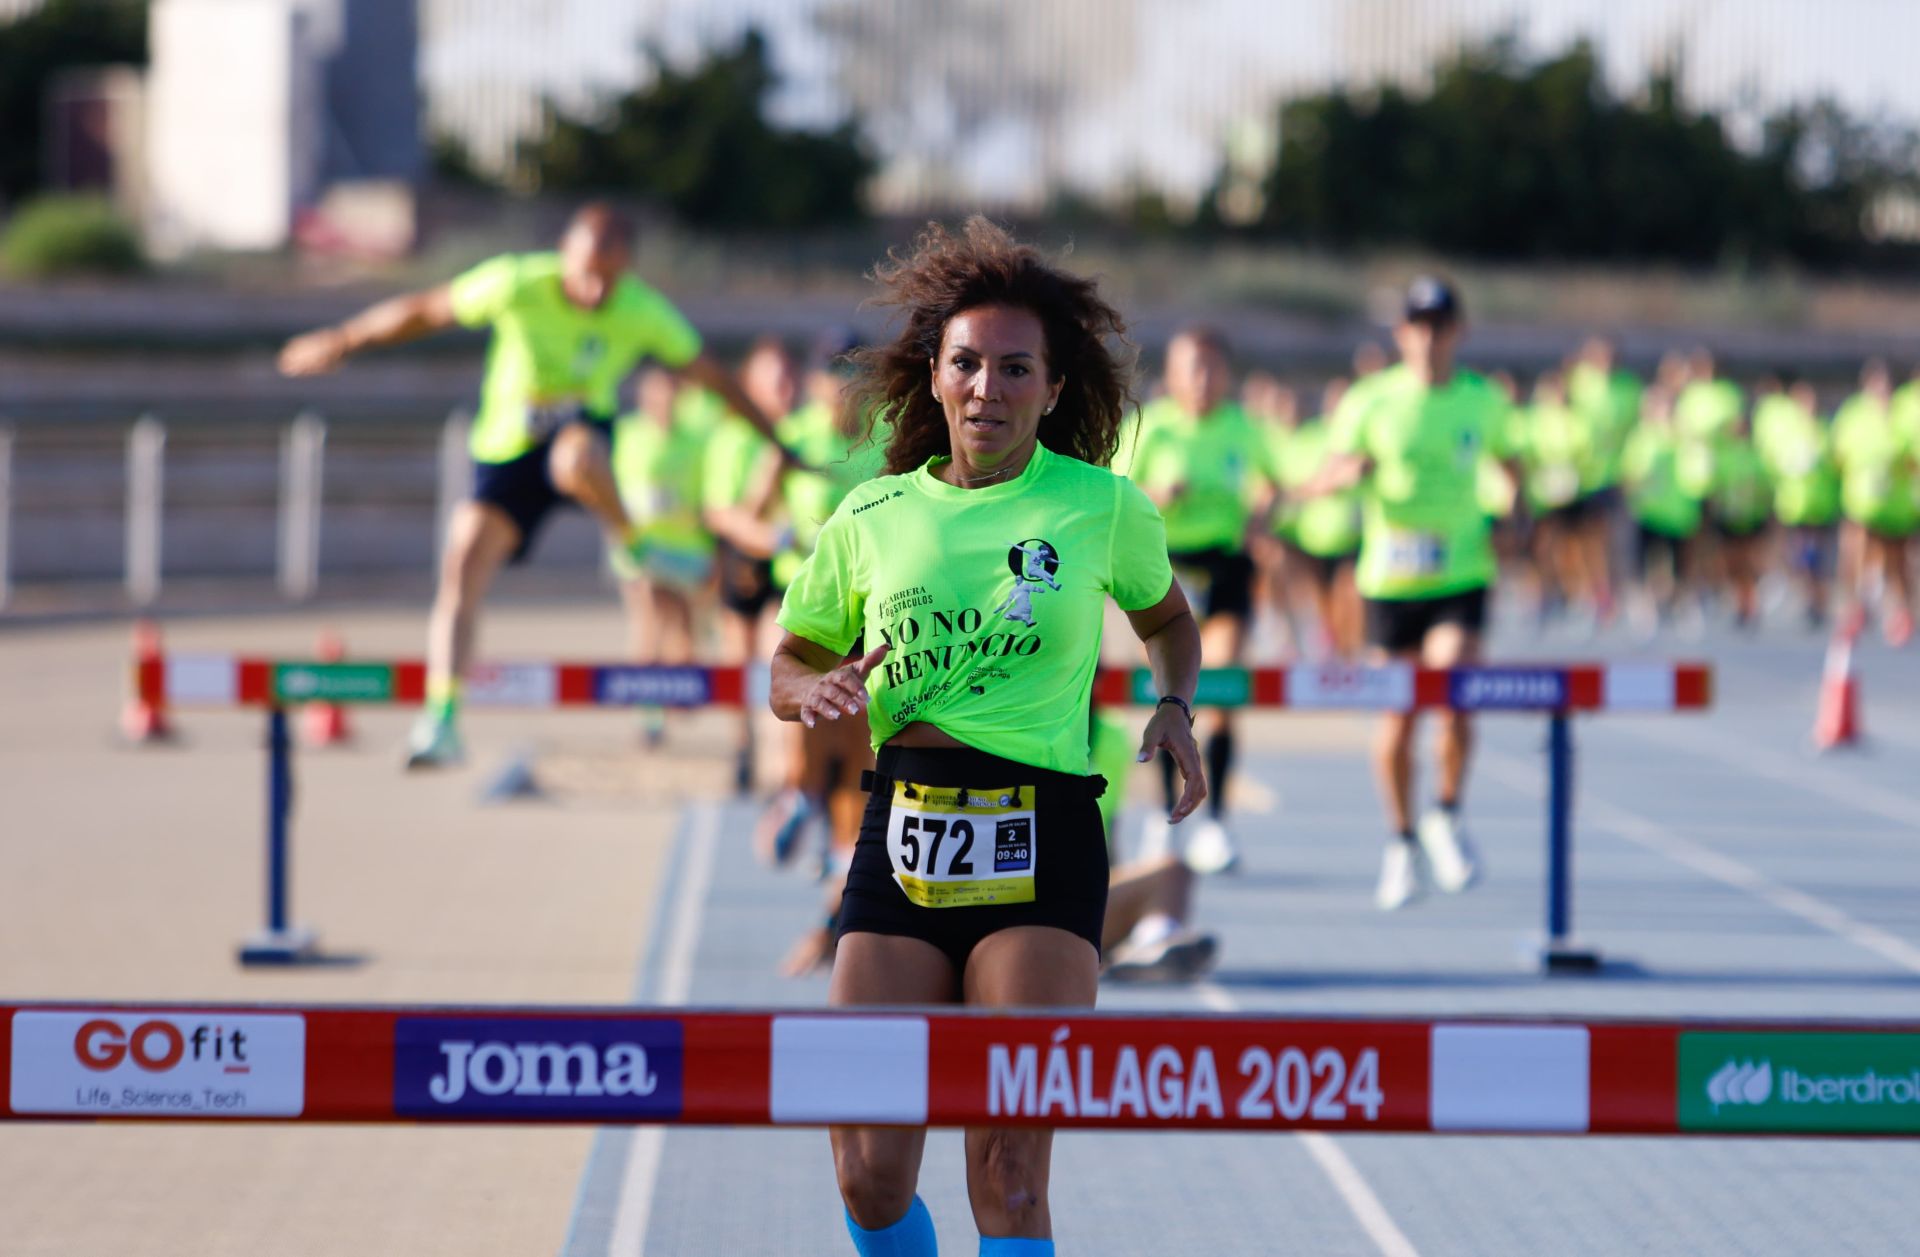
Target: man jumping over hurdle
567, 328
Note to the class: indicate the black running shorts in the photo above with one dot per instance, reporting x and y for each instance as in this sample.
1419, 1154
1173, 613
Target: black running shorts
1225, 578
1399, 625
522, 488
958, 844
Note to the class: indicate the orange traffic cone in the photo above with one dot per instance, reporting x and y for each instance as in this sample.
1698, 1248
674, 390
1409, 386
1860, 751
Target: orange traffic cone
144, 719
1838, 721
325, 724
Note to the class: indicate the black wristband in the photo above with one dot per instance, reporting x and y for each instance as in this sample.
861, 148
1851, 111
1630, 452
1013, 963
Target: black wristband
1175, 698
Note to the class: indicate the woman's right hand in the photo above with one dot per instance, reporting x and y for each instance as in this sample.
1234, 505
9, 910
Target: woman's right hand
842, 691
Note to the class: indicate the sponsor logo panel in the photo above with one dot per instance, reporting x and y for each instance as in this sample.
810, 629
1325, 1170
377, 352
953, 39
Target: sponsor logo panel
333, 682
563, 1067
1829, 1082
1123, 1072
510, 685
1508, 689
1360, 689
642, 686
169, 1064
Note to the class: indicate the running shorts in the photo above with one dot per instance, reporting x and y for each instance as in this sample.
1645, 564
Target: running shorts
1222, 579
1324, 569
1400, 625
522, 488
746, 583
1649, 543
957, 844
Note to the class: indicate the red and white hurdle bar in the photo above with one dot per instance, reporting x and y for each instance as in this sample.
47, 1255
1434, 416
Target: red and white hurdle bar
947, 1068
1557, 691
198, 680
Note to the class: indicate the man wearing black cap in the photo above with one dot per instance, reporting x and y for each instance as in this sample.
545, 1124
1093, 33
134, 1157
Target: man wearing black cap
1414, 439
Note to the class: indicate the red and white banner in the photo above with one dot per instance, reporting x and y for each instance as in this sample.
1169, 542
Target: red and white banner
904, 1067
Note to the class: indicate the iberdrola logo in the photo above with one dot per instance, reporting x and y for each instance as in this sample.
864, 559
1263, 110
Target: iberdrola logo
1033, 563
1740, 1082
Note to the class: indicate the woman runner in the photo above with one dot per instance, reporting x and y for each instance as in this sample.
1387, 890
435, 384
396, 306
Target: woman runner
980, 876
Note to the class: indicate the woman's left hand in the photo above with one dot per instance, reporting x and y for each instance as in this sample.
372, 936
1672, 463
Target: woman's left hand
1169, 731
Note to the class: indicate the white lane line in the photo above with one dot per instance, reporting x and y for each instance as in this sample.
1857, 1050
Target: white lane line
1861, 796
1346, 1178
635, 1207
1725, 869
1353, 1188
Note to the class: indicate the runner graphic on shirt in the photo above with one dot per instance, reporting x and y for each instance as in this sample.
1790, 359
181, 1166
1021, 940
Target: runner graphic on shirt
1033, 563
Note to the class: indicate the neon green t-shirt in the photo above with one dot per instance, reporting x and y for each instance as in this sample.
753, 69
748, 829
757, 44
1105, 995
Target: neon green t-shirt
1221, 459
1706, 409
1425, 533
1609, 402
1742, 494
1651, 465
810, 497
1327, 526
1798, 453
992, 598
548, 359
1556, 449
658, 469
1876, 453
735, 451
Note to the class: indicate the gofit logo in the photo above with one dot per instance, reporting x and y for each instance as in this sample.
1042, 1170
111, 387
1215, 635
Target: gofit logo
157, 1046
1527, 689
128, 1063
1741, 1082
537, 1066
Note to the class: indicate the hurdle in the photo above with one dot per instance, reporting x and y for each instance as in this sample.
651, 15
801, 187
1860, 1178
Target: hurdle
1556, 691
948, 1067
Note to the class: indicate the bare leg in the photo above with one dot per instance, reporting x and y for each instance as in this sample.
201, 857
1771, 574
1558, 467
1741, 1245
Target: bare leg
1008, 1169
879, 1166
1156, 885
480, 540
1450, 646
577, 464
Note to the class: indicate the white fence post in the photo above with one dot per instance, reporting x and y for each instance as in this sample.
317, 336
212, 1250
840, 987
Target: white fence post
456, 478
302, 459
146, 454
6, 513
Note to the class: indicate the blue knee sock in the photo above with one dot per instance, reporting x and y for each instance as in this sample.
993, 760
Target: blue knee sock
911, 1236
992, 1247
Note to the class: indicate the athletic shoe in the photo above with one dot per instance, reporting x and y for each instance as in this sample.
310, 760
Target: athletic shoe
434, 743
1211, 849
1450, 857
1181, 956
1399, 876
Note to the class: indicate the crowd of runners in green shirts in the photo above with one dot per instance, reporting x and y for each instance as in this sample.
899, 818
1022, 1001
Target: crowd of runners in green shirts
1366, 518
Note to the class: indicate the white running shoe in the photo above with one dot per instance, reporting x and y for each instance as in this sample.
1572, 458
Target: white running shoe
1450, 857
434, 743
1399, 876
1210, 849
1181, 956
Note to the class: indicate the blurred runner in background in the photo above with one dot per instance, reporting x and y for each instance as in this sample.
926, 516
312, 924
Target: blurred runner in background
1666, 517
1320, 536
1204, 464
1797, 449
1874, 446
567, 329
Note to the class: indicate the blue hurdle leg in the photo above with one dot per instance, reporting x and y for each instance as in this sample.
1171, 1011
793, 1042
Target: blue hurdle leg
279, 943
1560, 954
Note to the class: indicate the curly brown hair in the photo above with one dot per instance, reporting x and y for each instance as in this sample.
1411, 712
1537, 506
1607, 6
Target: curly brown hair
944, 275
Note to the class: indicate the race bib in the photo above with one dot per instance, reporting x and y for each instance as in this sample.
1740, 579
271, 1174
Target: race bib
1411, 554
960, 846
546, 418
1559, 484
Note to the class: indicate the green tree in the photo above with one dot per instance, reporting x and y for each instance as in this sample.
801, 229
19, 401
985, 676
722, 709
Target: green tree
1506, 157
699, 141
34, 49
